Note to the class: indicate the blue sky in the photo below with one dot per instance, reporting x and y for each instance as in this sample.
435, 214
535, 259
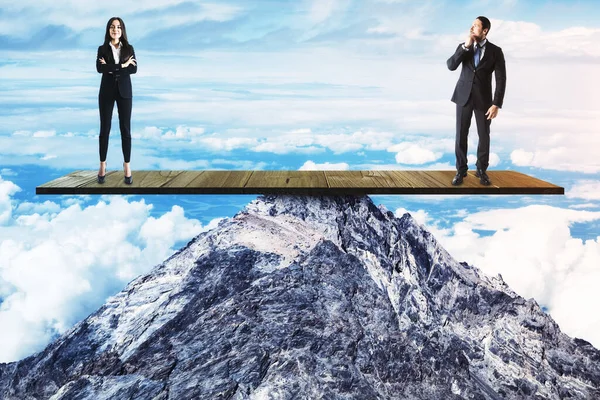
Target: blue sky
329, 84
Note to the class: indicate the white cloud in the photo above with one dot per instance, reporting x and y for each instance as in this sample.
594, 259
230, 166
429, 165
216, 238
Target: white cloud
321, 10
57, 267
557, 158
412, 153
7, 189
584, 205
421, 216
284, 148
44, 133
29, 14
219, 12
327, 166
338, 146
293, 141
494, 159
304, 140
440, 166
37, 208
534, 251
82, 152
148, 132
240, 164
184, 132
527, 40
404, 18
181, 132
462, 213
368, 139
521, 157
406, 167
585, 189
226, 144
508, 3
7, 172
179, 164
69, 201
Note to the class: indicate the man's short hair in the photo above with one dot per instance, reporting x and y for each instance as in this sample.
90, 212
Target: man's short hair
485, 23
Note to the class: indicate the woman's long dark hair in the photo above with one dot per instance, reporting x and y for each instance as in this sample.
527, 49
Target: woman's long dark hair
126, 50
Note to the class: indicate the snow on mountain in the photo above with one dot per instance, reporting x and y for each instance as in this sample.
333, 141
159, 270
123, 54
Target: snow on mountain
312, 297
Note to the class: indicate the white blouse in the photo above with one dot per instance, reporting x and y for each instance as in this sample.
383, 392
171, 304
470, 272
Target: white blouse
116, 51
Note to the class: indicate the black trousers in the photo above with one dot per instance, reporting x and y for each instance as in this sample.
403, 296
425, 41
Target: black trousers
463, 123
106, 104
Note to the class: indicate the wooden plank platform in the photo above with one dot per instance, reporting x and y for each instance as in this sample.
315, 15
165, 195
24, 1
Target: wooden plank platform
296, 182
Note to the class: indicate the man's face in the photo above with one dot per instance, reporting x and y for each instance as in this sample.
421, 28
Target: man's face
477, 30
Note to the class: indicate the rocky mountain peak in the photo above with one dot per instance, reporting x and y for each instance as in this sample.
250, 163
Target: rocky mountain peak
312, 297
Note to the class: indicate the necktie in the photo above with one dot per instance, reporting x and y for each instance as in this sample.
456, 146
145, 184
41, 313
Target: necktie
477, 55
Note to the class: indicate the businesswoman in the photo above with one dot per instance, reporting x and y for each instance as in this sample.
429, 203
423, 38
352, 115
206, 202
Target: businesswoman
115, 61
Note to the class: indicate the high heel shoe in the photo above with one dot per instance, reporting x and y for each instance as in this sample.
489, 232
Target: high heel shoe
101, 177
127, 179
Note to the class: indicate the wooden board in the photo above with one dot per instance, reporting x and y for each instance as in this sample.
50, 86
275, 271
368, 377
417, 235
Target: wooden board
297, 182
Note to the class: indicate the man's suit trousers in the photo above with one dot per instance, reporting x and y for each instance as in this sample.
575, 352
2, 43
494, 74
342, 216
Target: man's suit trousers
464, 114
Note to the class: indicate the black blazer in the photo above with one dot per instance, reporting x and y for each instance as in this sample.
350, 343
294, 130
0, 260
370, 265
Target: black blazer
107, 85
477, 82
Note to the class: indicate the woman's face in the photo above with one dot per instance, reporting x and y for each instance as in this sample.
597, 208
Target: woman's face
115, 30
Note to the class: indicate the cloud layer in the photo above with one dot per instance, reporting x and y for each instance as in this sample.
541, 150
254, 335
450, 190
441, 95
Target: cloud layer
376, 70
58, 264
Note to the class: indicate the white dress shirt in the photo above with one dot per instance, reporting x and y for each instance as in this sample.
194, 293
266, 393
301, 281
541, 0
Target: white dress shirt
481, 46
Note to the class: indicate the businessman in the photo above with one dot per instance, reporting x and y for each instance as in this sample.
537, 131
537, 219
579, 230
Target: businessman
473, 95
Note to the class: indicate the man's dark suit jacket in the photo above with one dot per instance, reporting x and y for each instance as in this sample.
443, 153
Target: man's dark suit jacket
477, 82
107, 85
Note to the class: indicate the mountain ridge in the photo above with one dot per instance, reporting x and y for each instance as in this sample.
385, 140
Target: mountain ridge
328, 297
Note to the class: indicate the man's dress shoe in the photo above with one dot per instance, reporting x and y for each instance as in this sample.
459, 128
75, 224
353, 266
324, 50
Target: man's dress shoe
458, 178
483, 177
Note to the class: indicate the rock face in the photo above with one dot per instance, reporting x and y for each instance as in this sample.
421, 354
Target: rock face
312, 298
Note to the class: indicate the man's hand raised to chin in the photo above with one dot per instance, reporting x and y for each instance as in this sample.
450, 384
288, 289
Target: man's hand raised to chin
492, 112
470, 40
